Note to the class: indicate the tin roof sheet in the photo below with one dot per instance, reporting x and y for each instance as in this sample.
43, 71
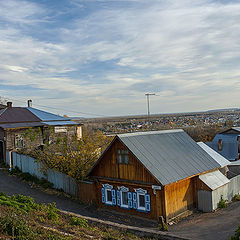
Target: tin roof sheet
235, 162
214, 179
216, 156
170, 155
45, 116
60, 123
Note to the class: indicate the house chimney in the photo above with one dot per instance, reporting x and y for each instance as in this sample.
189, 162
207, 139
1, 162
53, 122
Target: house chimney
29, 103
9, 104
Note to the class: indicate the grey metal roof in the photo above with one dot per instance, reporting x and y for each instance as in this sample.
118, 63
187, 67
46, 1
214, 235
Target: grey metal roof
216, 156
46, 116
169, 155
214, 179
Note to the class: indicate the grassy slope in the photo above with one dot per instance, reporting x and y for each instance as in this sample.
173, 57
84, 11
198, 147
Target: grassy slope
21, 218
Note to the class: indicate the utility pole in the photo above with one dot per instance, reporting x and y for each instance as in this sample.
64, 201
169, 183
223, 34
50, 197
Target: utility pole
148, 104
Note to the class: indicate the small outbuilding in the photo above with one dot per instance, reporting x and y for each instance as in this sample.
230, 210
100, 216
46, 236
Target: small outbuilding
151, 174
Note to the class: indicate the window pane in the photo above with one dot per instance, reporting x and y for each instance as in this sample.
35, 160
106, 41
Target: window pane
124, 198
141, 200
126, 159
109, 195
119, 158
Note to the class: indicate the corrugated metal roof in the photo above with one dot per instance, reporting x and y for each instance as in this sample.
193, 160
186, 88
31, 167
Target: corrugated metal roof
235, 162
216, 156
46, 116
236, 128
169, 155
60, 123
21, 125
214, 179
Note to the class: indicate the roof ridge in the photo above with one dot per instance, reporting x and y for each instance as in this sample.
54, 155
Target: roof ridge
150, 132
3, 111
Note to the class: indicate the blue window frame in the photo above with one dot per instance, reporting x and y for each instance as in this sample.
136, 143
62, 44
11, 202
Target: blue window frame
108, 195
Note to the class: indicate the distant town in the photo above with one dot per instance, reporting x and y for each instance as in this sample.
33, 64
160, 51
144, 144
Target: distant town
222, 118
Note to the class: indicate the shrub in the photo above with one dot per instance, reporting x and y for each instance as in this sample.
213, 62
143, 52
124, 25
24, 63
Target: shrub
222, 203
236, 197
76, 221
17, 228
52, 212
163, 227
237, 234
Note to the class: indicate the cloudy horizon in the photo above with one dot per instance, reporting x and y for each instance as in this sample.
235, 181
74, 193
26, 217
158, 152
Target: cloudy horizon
101, 56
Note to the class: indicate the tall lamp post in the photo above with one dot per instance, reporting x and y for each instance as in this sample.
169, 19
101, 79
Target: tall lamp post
148, 104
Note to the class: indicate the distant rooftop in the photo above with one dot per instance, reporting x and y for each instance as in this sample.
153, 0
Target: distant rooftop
17, 117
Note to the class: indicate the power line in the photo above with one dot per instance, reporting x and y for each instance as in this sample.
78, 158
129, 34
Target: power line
62, 109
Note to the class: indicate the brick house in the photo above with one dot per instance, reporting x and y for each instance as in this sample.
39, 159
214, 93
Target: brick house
29, 128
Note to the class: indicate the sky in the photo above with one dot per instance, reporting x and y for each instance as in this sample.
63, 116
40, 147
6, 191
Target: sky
91, 58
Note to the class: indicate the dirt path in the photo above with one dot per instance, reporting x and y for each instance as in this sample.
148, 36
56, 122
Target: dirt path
13, 185
209, 226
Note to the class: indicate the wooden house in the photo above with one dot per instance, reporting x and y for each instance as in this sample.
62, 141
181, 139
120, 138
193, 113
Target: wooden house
151, 174
29, 128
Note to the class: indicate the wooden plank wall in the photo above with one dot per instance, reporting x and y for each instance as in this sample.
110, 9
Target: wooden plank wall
180, 196
108, 167
87, 192
156, 200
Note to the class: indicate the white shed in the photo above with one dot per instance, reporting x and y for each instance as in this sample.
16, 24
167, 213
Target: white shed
213, 187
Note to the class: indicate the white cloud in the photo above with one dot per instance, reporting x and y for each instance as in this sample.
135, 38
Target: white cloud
184, 50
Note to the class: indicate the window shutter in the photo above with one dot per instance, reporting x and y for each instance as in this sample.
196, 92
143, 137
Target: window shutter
113, 197
118, 198
148, 207
134, 200
103, 195
147, 198
148, 204
130, 204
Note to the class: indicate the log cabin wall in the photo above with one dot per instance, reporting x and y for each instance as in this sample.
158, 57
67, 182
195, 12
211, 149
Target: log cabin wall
180, 196
108, 167
156, 200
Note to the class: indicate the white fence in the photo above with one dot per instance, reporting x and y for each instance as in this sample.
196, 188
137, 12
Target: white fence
208, 200
30, 165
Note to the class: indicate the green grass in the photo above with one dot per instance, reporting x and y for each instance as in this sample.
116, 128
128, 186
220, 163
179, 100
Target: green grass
21, 218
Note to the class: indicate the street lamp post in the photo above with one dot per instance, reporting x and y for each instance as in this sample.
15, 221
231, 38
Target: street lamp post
148, 104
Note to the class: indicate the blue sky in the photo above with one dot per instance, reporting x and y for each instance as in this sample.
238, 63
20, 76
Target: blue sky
102, 56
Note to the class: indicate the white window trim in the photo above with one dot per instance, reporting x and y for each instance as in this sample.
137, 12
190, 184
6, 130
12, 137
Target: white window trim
106, 196
139, 192
19, 138
138, 202
121, 190
108, 187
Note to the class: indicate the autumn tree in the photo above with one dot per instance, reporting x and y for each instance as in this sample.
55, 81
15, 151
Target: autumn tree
73, 157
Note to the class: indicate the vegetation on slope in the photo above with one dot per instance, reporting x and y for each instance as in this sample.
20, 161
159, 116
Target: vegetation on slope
23, 219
